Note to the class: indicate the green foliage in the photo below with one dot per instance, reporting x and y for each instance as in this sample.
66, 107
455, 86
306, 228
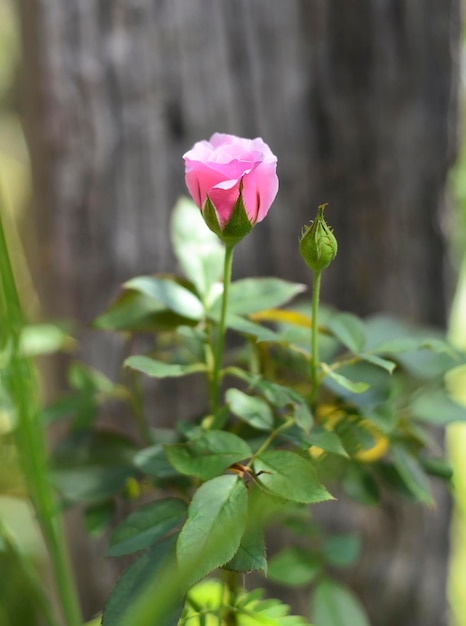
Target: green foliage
92, 465
174, 296
294, 567
91, 389
285, 400
216, 522
369, 431
208, 454
341, 550
158, 369
148, 524
290, 476
250, 555
436, 406
31, 606
18, 383
198, 250
343, 381
247, 328
133, 311
205, 604
335, 605
40, 339
98, 516
251, 295
412, 473
138, 577
252, 410
348, 329
259, 454
327, 440
153, 462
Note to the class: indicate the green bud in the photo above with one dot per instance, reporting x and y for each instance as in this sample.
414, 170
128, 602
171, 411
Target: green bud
318, 245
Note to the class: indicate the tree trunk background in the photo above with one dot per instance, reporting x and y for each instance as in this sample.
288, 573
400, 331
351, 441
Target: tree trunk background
358, 100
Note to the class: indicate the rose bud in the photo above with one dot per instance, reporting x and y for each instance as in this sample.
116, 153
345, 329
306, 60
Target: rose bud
233, 181
318, 245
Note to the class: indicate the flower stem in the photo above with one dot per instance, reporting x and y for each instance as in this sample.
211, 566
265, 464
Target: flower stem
218, 355
314, 340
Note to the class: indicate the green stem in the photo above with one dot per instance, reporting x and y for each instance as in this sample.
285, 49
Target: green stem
133, 394
64, 578
218, 355
21, 383
254, 359
31, 447
210, 363
230, 589
314, 339
273, 435
136, 401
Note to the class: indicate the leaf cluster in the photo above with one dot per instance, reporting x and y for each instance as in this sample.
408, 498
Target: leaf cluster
209, 488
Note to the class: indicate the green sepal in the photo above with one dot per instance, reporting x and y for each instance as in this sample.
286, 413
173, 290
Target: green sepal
237, 227
210, 217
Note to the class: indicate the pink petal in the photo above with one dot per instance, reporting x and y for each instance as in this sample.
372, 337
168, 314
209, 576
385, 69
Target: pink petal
200, 178
259, 191
224, 197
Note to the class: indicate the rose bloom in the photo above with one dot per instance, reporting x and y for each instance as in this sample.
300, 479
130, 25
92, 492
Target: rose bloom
215, 168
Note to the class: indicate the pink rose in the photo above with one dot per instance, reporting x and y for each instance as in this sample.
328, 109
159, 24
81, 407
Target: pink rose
216, 168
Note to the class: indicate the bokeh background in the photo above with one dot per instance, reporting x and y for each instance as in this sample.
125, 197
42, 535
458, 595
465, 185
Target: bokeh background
361, 101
